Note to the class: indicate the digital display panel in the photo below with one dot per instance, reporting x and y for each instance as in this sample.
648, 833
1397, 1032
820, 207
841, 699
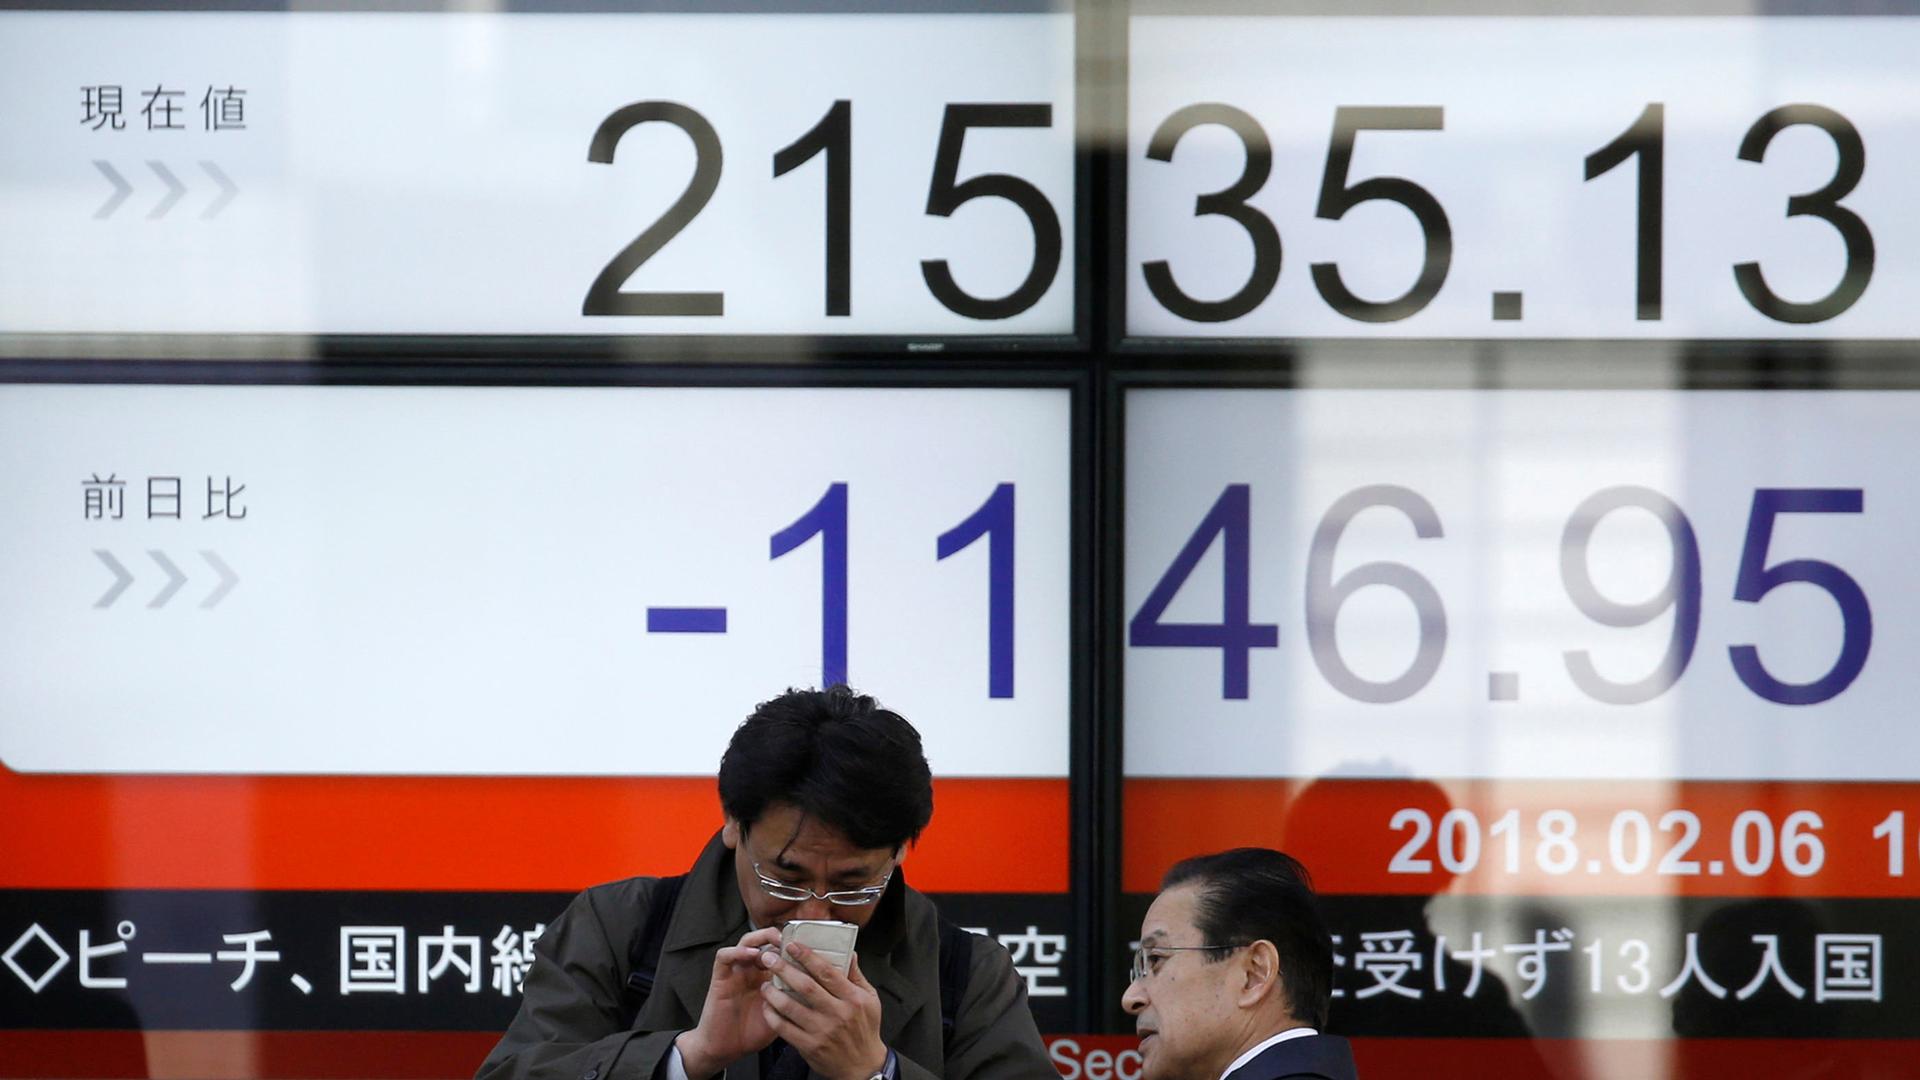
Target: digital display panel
1552, 177
1582, 703
320, 702
405, 580
1585, 709
569, 173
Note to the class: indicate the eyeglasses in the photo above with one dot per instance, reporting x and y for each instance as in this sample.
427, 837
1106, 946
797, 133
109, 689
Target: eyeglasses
1148, 958
798, 894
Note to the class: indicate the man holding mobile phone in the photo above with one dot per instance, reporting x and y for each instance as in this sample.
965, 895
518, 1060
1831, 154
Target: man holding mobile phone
672, 979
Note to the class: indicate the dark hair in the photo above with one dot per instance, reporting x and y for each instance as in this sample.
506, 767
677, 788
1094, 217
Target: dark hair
836, 755
1258, 894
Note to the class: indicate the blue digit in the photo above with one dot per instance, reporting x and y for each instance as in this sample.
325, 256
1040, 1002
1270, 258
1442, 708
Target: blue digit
1234, 635
1756, 579
828, 521
994, 520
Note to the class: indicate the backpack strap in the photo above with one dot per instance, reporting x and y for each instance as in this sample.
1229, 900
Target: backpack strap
645, 956
956, 965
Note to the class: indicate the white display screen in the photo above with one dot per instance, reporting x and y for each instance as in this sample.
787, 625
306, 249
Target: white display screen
523, 581
1520, 584
1562, 177
524, 173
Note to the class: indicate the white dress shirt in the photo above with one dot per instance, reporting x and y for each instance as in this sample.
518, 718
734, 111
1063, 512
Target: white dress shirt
1290, 1033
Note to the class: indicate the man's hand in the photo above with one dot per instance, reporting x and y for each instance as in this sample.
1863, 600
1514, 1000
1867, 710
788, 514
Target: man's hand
733, 1022
832, 1019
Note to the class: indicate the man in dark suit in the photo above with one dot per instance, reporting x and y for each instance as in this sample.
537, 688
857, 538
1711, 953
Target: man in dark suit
1234, 973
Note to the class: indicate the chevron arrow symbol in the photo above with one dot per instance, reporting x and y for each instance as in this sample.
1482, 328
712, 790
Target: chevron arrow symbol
173, 586
227, 192
121, 189
121, 579
228, 579
175, 190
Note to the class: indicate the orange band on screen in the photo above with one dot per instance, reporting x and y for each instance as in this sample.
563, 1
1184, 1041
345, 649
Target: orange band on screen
492, 833
1345, 832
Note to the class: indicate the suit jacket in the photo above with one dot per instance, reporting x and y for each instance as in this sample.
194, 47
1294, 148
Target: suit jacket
1325, 1056
570, 1020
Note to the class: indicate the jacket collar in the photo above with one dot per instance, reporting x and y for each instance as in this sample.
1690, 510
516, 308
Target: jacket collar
1327, 1056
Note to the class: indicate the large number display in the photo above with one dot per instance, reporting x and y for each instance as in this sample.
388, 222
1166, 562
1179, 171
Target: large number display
1587, 709
1550, 177
1583, 708
320, 701
472, 561
561, 173
1521, 584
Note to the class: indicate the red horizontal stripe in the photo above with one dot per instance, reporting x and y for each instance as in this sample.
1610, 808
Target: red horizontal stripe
488, 833
312, 1055
1341, 829
232, 1055
1557, 1059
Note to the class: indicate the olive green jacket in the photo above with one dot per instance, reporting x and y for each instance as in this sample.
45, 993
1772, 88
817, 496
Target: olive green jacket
569, 1024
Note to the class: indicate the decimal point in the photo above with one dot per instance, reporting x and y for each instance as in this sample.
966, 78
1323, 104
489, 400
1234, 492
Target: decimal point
1506, 307
1716, 867
1503, 686
1593, 866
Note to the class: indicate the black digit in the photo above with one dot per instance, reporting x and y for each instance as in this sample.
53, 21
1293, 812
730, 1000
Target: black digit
1823, 204
604, 296
1230, 202
944, 196
1646, 137
1336, 198
830, 136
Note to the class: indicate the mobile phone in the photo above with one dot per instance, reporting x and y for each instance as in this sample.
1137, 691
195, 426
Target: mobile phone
831, 939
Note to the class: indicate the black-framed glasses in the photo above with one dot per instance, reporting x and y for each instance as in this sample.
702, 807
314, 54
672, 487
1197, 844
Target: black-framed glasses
797, 894
1148, 958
